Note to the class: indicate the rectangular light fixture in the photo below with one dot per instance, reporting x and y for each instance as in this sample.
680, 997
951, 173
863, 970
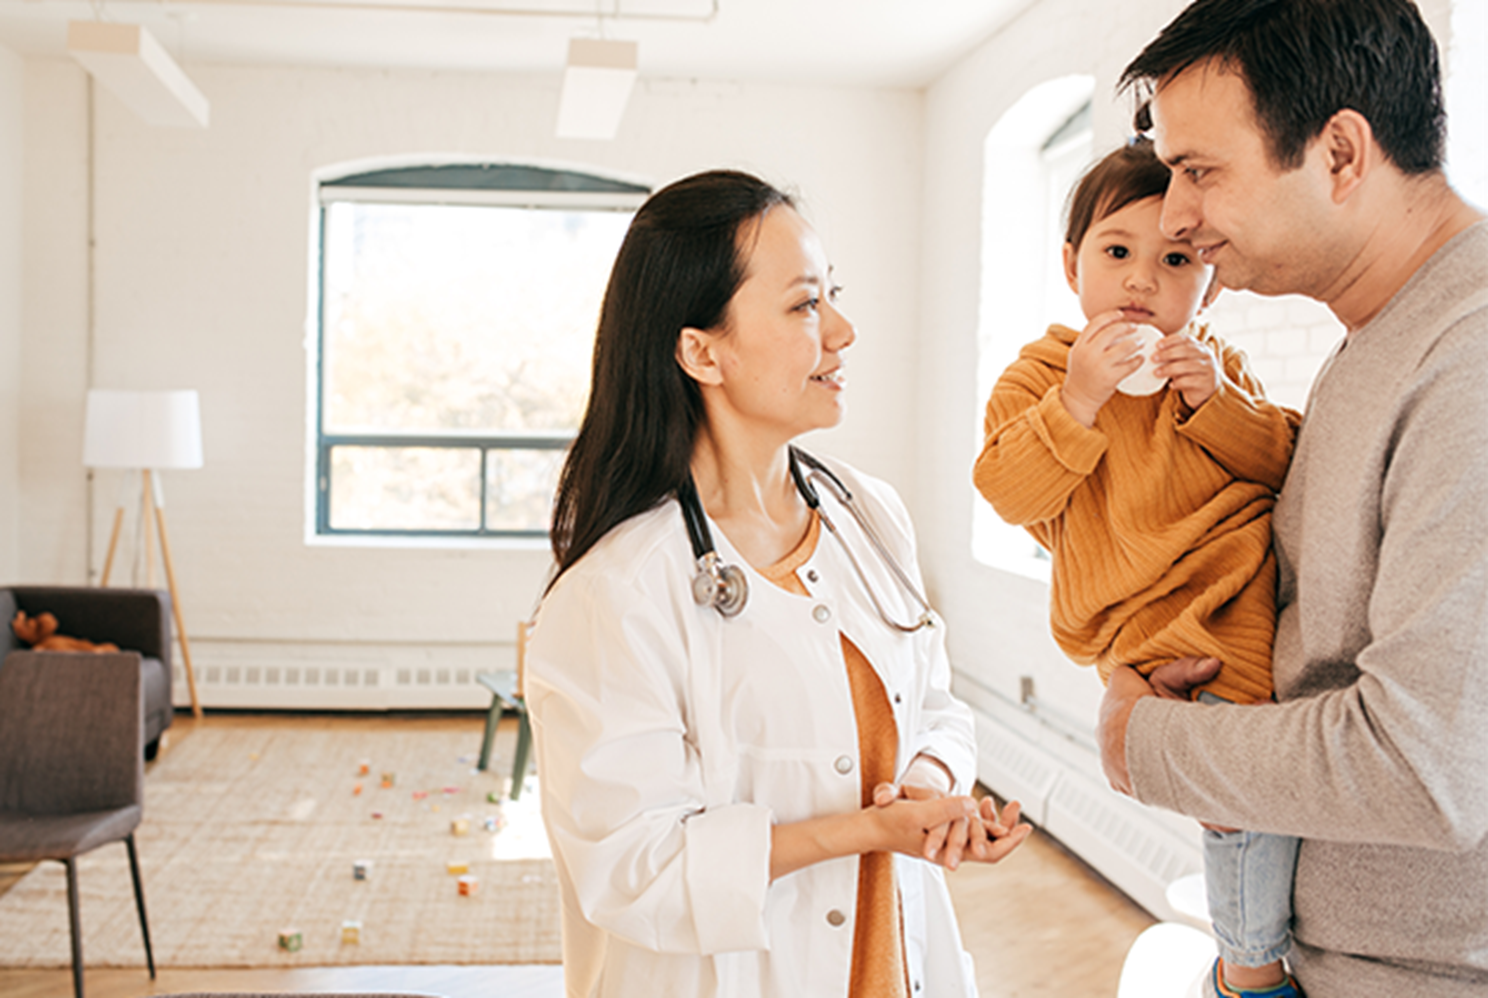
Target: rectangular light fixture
596, 87
134, 67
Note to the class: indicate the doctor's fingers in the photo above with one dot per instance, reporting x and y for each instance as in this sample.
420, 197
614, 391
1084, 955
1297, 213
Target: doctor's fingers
957, 841
886, 793
999, 847
998, 825
911, 827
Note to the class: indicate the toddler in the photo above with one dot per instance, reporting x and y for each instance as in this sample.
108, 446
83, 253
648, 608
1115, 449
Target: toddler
1151, 485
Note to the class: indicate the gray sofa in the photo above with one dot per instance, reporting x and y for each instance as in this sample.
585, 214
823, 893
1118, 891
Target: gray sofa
134, 619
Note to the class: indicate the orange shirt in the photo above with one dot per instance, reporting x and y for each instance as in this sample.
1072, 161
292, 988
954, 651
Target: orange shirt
878, 967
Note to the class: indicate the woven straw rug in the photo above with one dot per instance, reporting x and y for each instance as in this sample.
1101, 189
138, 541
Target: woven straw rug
248, 832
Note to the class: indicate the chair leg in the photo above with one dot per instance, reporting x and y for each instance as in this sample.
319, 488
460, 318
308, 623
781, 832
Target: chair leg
524, 745
75, 922
139, 901
492, 716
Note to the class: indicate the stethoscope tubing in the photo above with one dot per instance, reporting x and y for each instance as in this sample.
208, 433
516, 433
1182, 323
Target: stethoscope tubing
725, 588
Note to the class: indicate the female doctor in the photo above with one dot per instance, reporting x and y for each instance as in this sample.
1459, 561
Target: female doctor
749, 769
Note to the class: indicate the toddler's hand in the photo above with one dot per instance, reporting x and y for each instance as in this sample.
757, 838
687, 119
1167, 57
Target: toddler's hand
1190, 367
1104, 353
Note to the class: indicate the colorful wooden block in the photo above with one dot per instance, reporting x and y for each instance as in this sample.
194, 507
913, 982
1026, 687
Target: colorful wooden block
457, 866
290, 940
469, 884
351, 933
460, 826
360, 869
388, 779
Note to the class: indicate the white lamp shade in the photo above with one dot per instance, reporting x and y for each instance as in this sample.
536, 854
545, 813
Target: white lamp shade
142, 429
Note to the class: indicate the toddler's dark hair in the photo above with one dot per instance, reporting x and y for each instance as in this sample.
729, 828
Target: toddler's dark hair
1129, 174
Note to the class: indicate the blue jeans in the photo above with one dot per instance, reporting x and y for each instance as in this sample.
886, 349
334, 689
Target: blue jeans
1248, 877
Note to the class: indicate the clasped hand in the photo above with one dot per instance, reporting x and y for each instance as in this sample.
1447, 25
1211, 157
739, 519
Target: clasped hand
926, 821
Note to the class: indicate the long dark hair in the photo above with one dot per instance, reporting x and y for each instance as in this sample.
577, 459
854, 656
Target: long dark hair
678, 267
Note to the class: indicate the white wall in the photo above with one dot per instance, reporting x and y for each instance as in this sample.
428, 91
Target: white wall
11, 146
201, 281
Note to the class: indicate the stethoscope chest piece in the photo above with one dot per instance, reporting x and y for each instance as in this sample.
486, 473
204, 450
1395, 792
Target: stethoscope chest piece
720, 586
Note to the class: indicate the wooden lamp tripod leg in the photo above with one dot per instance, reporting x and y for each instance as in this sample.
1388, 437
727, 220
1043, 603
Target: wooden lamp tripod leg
170, 578
170, 581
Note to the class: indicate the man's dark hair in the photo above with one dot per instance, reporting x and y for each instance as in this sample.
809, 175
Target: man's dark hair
1306, 60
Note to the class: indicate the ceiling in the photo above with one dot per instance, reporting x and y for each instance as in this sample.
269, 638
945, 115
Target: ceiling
878, 43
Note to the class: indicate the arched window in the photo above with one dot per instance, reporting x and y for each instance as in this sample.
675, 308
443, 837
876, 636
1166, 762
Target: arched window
1467, 101
457, 309
1033, 156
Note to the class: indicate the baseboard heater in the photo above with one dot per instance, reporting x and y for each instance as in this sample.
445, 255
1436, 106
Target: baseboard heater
263, 675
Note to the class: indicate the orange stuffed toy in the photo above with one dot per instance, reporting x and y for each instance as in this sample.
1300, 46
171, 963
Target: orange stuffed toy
40, 632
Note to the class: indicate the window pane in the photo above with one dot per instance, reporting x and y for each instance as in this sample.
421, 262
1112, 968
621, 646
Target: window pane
448, 317
519, 488
405, 488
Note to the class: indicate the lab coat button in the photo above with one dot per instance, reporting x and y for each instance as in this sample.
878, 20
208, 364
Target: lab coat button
844, 764
822, 614
811, 575
898, 698
835, 918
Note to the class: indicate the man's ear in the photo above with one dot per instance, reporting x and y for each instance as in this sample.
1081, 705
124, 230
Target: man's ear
697, 357
1071, 267
1350, 149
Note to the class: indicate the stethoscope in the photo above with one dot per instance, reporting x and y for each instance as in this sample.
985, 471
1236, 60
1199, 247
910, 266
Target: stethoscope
724, 587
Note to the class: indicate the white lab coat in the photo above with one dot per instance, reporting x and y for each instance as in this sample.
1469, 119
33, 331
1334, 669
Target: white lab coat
669, 740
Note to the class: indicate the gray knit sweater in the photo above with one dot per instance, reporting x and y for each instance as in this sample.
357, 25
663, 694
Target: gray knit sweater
1377, 754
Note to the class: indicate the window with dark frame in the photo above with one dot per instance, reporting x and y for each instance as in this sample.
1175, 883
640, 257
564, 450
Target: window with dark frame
457, 309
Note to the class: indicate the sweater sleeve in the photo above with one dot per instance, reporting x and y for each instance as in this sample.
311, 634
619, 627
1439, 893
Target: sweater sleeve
1035, 454
1251, 437
1389, 747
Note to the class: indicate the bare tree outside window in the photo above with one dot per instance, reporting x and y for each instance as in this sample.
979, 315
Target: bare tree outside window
454, 354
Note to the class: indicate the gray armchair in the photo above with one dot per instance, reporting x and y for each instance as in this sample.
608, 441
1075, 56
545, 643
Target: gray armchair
71, 776
134, 619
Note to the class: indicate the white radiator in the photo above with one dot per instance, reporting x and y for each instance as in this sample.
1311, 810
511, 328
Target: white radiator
339, 676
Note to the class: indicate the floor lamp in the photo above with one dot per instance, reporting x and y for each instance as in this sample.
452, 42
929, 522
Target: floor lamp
146, 432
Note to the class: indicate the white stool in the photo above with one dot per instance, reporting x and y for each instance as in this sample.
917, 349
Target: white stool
1168, 960
1188, 897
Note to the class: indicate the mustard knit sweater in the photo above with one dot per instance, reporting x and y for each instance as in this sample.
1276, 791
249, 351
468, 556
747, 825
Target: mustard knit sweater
1158, 519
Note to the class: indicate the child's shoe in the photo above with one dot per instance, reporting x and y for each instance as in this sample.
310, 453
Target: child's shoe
1215, 987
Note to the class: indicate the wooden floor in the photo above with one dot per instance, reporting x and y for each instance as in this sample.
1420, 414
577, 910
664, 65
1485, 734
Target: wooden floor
1039, 925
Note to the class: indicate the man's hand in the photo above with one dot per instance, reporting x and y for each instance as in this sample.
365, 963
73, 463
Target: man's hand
1173, 681
1177, 680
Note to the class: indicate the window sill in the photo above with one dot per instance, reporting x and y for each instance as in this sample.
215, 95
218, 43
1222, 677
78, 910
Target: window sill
427, 543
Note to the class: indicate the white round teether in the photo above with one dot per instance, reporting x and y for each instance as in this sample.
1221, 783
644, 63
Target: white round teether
1142, 381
